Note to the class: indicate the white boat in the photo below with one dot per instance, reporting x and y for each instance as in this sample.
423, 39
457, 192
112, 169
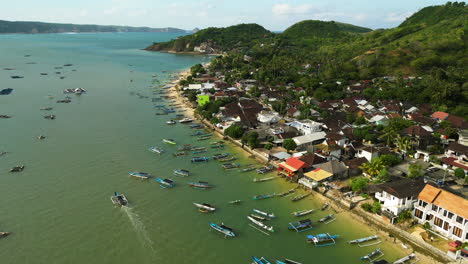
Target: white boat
264, 213
171, 122
156, 150
261, 224
119, 199
204, 207
186, 120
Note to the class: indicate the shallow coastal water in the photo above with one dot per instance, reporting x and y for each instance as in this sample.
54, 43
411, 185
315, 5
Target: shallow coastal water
59, 209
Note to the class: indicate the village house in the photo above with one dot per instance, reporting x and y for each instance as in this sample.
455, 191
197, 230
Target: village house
457, 122
439, 116
306, 127
268, 118
463, 137
456, 157
398, 196
244, 111
445, 212
354, 166
314, 178
420, 136
303, 142
312, 159
334, 167
292, 168
368, 153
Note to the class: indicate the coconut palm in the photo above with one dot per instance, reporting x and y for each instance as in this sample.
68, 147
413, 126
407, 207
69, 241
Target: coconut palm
389, 135
373, 168
403, 143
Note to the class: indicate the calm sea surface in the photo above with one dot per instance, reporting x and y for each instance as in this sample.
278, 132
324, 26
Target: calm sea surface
59, 209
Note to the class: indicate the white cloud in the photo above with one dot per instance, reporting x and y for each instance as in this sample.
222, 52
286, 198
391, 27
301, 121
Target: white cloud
287, 9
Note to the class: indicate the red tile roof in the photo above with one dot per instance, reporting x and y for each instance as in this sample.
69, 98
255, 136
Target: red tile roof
296, 163
453, 162
440, 115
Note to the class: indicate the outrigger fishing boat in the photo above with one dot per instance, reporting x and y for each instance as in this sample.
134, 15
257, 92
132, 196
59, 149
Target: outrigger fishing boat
287, 261
141, 175
321, 240
185, 147
179, 153
248, 169
165, 183
327, 219
186, 120
300, 197
227, 231
324, 206
264, 179
263, 196
235, 202
261, 224
156, 150
200, 159
363, 240
171, 122
259, 217
300, 226
263, 213
227, 159
405, 259
169, 141
220, 156
288, 192
119, 199
182, 172
199, 152
200, 185
265, 169
302, 212
217, 146
204, 207
261, 260
229, 166
373, 255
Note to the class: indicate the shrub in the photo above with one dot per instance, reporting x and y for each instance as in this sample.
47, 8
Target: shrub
376, 207
289, 144
403, 216
459, 173
234, 131
269, 146
358, 184
367, 207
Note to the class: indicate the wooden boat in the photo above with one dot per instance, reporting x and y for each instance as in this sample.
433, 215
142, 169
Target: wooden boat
259, 217
200, 185
161, 114
4, 234
321, 240
373, 255
300, 197
261, 260
141, 175
229, 166
302, 212
248, 169
41, 137
200, 159
235, 202
203, 138
220, 156
227, 159
51, 117
204, 207
327, 219
46, 108
287, 261
227, 231
217, 142
195, 126
265, 169
300, 226
264, 179
156, 150
199, 152
171, 122
17, 168
180, 153
362, 240
182, 172
197, 148
169, 141
5, 116
6, 91
324, 206
186, 120
185, 147
263, 213
263, 196
119, 199
217, 146
405, 259
165, 183
261, 224
285, 193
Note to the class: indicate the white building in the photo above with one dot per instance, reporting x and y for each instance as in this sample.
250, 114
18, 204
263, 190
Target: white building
305, 141
398, 196
446, 212
368, 152
268, 117
306, 127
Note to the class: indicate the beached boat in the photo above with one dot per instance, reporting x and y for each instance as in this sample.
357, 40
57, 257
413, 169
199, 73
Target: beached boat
17, 168
141, 175
264, 179
263, 196
165, 183
204, 207
327, 219
300, 197
186, 120
263, 213
321, 240
182, 172
261, 260
171, 122
300, 226
362, 240
373, 255
229, 166
302, 212
405, 259
156, 150
235, 202
285, 193
325, 206
261, 224
200, 159
265, 169
119, 199
6, 91
200, 185
169, 141
227, 231
4, 234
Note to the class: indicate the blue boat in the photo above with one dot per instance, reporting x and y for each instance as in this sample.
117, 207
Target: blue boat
198, 133
200, 185
322, 240
165, 183
217, 146
373, 255
195, 126
141, 175
220, 156
261, 260
263, 196
223, 229
199, 151
300, 226
200, 159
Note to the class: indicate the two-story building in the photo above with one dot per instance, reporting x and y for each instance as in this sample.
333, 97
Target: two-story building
446, 212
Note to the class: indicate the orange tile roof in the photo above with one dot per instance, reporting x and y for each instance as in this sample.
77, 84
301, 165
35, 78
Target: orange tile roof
440, 115
444, 199
295, 163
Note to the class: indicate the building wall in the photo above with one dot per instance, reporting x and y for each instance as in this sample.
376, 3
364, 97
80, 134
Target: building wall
394, 204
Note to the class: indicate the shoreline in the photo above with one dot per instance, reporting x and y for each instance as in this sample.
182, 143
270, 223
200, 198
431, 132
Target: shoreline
424, 256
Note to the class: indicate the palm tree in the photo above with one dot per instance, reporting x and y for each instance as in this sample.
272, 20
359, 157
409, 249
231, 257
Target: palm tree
389, 135
372, 168
403, 143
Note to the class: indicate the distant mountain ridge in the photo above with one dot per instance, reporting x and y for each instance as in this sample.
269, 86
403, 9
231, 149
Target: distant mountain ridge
30, 27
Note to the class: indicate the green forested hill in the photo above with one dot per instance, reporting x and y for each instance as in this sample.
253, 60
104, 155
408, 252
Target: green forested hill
40, 27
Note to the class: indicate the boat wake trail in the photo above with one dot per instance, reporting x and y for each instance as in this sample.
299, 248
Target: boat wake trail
139, 227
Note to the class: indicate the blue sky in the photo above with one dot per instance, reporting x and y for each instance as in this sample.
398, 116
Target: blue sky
186, 14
